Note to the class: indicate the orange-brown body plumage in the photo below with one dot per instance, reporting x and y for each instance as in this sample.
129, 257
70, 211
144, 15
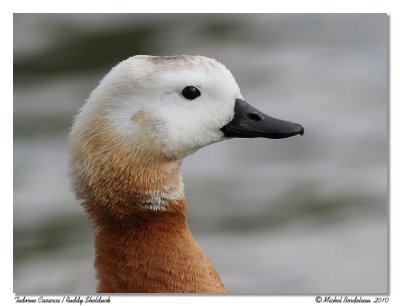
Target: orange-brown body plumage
153, 252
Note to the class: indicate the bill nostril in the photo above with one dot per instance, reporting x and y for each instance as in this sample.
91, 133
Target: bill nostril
255, 117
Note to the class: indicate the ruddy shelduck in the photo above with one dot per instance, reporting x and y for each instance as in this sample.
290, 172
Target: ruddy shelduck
127, 144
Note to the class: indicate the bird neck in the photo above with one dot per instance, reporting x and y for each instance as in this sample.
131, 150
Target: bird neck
153, 252
135, 200
136, 203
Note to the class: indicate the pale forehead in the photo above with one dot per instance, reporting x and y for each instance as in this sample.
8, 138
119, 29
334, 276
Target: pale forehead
153, 66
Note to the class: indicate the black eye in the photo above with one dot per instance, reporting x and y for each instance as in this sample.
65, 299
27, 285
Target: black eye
191, 92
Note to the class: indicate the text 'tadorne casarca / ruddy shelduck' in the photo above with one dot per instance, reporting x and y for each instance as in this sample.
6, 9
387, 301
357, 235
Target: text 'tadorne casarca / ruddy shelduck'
127, 144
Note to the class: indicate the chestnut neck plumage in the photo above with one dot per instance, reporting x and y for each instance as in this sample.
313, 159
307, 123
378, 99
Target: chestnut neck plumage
143, 242
153, 252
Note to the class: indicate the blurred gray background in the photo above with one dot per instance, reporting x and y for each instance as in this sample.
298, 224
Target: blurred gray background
303, 215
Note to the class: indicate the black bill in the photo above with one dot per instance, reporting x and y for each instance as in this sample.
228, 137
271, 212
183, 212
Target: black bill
249, 122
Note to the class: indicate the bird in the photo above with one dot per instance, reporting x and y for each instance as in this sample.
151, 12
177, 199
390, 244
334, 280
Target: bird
127, 143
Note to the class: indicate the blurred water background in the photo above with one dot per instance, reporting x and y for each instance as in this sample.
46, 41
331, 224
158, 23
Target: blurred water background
303, 215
